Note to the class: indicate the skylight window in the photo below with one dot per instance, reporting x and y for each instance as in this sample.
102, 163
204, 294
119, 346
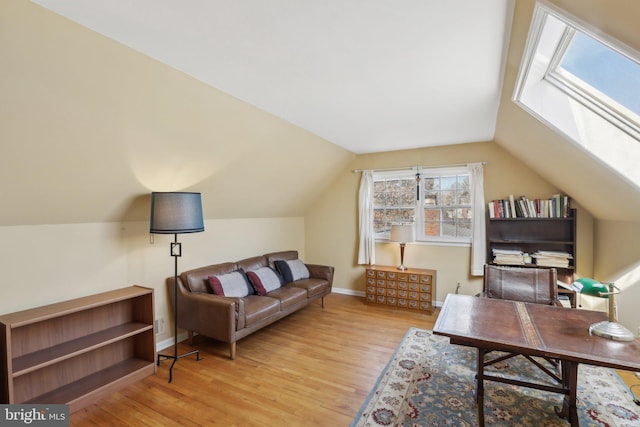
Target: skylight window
600, 77
584, 85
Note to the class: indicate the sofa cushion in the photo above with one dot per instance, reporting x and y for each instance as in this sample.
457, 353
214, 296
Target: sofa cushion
289, 296
234, 284
313, 286
258, 308
292, 270
265, 280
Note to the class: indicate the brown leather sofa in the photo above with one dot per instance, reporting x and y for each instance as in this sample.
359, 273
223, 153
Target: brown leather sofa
229, 319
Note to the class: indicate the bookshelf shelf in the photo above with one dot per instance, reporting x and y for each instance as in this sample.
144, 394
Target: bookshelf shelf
76, 351
535, 234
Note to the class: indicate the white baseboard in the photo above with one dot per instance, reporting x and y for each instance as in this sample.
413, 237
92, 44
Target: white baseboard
348, 292
164, 344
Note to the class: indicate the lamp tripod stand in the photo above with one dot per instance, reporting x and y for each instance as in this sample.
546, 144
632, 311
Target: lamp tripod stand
176, 251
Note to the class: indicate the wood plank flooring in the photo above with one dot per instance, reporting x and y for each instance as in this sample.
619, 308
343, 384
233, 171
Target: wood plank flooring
312, 368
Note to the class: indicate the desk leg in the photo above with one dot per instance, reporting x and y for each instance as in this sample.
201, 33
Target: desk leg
480, 387
569, 409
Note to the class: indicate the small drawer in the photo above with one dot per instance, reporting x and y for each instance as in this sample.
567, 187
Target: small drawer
414, 278
402, 302
425, 297
425, 306
391, 292
413, 304
425, 279
425, 288
381, 275
414, 295
371, 298
371, 281
391, 301
371, 289
414, 287
371, 273
391, 275
381, 291
403, 294
403, 285
382, 283
392, 284
403, 277
381, 299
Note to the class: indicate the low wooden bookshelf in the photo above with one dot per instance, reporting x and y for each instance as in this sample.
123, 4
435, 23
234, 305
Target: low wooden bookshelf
77, 351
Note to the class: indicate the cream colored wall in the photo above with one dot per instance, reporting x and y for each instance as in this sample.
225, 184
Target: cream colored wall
89, 127
618, 259
44, 264
332, 225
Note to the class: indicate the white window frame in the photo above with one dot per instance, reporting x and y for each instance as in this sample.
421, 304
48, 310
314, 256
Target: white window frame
418, 211
568, 111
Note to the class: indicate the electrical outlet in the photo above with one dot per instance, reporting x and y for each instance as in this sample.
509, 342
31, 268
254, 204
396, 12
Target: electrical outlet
159, 325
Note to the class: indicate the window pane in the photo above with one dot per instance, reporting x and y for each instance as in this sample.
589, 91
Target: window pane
603, 68
447, 198
464, 229
444, 208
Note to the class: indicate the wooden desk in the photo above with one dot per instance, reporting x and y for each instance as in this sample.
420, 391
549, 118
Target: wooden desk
533, 330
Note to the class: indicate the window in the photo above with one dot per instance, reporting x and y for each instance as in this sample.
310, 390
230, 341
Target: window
583, 85
436, 201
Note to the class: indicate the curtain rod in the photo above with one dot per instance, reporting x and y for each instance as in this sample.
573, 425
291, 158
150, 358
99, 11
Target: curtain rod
416, 167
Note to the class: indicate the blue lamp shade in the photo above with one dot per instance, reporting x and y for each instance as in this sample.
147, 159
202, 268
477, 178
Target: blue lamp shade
176, 213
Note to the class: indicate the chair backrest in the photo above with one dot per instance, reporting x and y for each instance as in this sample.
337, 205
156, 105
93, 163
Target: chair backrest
536, 285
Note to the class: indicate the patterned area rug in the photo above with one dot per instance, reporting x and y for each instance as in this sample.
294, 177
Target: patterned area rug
429, 382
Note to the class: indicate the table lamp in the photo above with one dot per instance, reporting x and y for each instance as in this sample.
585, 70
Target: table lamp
610, 329
402, 234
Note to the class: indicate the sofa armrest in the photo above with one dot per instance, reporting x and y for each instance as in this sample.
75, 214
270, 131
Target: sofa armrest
211, 315
321, 272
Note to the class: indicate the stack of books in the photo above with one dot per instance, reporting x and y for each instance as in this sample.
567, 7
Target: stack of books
552, 258
508, 257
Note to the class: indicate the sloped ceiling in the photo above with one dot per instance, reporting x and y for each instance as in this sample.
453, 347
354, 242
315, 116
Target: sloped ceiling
89, 127
369, 76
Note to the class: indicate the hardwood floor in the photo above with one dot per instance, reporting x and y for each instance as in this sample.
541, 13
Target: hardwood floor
312, 368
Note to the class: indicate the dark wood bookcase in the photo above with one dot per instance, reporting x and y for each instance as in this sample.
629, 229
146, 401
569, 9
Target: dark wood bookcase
533, 234
75, 352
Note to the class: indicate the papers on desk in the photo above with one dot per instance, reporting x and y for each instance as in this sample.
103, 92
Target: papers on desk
552, 258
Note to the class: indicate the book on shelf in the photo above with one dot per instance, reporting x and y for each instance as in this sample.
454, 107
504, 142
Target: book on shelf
557, 206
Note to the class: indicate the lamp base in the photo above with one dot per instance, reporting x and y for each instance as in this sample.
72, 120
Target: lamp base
175, 358
401, 267
611, 330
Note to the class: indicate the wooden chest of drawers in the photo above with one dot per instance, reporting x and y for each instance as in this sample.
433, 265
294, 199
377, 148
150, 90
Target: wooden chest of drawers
413, 288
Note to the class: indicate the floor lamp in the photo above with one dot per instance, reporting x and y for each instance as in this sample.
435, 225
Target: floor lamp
176, 213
